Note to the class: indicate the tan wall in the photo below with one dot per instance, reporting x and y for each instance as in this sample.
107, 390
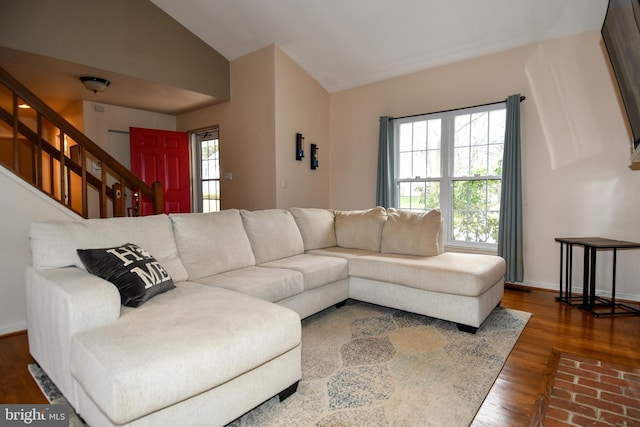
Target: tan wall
575, 145
134, 38
247, 132
302, 105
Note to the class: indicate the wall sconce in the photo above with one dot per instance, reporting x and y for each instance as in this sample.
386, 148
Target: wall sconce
314, 156
95, 84
299, 146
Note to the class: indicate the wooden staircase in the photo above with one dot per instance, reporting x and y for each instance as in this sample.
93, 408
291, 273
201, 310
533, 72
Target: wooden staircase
44, 149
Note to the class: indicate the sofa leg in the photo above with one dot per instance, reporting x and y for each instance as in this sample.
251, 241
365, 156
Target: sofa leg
288, 391
467, 328
341, 304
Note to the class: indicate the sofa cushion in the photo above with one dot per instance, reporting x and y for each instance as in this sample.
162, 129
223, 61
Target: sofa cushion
211, 243
412, 233
317, 227
134, 271
54, 243
178, 345
451, 273
273, 234
270, 284
360, 229
316, 270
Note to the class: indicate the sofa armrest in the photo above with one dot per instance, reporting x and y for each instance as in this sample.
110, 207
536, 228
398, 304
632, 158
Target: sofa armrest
60, 303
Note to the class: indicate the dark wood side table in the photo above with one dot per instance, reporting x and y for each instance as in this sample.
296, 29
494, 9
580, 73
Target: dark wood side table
589, 301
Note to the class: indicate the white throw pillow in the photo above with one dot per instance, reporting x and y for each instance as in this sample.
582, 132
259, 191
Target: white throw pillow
317, 227
212, 243
360, 229
412, 233
273, 234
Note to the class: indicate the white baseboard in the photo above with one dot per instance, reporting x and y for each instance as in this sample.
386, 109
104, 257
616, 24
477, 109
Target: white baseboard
578, 290
9, 329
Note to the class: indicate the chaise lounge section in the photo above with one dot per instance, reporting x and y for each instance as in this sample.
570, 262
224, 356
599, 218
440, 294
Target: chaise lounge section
226, 335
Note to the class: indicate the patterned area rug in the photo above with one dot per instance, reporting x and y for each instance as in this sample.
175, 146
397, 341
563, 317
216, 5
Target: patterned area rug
363, 364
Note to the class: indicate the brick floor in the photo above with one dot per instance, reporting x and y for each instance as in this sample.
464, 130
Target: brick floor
587, 392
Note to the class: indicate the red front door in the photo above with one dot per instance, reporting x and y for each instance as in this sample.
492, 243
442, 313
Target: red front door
161, 155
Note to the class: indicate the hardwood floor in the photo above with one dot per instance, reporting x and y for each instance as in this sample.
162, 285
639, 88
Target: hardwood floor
513, 398
16, 383
524, 378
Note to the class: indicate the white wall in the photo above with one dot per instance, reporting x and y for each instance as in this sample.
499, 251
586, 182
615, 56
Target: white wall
577, 179
28, 205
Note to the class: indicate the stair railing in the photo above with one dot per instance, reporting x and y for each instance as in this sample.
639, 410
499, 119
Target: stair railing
54, 156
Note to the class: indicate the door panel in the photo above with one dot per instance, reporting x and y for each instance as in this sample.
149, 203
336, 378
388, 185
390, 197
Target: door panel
159, 155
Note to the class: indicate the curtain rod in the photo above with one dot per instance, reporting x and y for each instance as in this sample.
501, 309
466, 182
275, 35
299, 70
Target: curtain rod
522, 98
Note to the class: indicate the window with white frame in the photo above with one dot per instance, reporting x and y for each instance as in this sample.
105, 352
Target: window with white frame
453, 161
206, 170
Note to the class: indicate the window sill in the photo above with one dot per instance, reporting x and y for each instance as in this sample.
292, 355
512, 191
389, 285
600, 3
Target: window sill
470, 250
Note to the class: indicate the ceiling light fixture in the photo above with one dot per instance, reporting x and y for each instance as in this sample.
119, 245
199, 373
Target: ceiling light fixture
95, 84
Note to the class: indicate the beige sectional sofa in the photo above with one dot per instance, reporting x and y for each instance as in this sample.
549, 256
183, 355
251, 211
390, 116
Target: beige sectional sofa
225, 335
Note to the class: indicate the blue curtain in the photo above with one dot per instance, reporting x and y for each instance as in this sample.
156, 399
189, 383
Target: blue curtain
510, 228
385, 188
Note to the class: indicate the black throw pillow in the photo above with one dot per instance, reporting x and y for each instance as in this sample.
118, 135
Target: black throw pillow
136, 274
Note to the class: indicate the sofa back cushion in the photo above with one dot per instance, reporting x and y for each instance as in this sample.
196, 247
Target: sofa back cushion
360, 229
54, 243
317, 227
412, 233
212, 243
273, 234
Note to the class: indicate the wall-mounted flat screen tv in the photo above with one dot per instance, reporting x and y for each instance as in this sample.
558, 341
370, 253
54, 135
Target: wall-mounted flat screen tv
621, 34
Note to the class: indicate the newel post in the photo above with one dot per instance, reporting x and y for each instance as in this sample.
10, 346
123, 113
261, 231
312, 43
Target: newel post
158, 198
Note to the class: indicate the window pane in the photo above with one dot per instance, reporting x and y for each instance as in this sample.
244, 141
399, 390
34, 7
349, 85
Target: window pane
434, 138
432, 195
405, 165
462, 131
461, 161
417, 196
495, 159
497, 120
406, 137
493, 219
494, 190
479, 128
433, 164
419, 135
472, 221
404, 194
478, 164
419, 164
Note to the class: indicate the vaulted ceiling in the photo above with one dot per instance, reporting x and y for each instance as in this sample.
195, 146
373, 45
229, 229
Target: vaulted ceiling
340, 43
348, 43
